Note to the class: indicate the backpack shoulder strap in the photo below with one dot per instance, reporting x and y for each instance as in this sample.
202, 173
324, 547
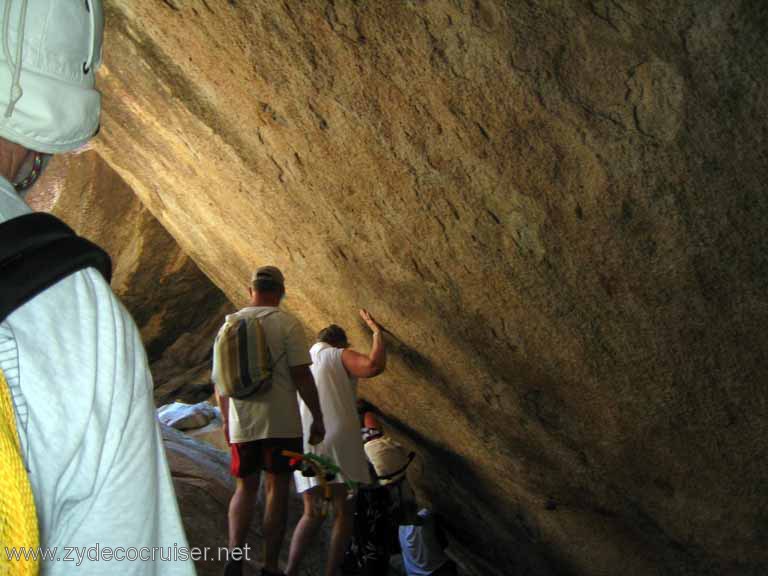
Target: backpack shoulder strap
259, 319
411, 456
267, 313
256, 316
36, 251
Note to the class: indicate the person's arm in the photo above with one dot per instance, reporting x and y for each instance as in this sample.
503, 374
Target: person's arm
298, 358
360, 365
305, 384
223, 403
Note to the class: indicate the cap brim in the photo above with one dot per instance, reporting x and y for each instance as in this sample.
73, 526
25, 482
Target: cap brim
51, 116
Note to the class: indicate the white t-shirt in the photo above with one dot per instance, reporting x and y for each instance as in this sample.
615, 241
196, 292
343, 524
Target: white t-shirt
82, 394
338, 401
275, 413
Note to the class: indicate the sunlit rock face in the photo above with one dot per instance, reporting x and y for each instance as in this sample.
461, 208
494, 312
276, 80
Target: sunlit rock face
557, 209
168, 296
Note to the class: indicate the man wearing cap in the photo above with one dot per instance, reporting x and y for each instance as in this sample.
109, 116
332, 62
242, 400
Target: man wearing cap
260, 428
77, 419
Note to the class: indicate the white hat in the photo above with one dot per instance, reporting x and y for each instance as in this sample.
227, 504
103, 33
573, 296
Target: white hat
49, 53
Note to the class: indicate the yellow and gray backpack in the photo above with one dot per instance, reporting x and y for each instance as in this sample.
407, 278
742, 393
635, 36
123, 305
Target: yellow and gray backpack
242, 361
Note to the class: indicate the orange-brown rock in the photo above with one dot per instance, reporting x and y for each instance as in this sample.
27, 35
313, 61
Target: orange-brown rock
175, 306
556, 208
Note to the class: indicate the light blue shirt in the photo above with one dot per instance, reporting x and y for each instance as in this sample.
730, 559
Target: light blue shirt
422, 552
82, 393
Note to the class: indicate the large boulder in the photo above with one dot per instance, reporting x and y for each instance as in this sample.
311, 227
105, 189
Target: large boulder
557, 209
203, 488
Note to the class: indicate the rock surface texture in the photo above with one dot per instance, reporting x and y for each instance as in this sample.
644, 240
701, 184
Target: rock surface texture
557, 209
176, 308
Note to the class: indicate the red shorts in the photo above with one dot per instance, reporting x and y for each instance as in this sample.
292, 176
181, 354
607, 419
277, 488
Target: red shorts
253, 457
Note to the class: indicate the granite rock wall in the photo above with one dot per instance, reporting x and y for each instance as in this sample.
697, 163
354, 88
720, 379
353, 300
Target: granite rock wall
557, 210
175, 306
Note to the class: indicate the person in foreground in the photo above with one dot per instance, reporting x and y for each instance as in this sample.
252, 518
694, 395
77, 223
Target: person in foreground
72, 365
259, 428
336, 368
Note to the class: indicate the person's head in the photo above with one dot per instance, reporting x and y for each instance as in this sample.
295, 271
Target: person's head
333, 335
370, 420
267, 286
48, 101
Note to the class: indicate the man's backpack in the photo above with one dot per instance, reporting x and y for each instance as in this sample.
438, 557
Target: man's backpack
242, 361
36, 251
389, 459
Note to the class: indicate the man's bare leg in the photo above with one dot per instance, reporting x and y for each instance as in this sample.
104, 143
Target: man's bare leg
305, 532
343, 509
242, 508
275, 513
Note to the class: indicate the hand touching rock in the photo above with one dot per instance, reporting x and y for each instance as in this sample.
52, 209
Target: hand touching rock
368, 319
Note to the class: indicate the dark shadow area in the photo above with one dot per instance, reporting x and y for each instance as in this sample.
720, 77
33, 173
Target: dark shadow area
458, 494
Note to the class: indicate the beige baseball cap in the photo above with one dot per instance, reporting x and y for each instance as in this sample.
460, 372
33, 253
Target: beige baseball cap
50, 52
269, 273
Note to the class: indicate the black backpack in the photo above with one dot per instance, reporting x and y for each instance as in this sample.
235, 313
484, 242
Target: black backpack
36, 251
375, 534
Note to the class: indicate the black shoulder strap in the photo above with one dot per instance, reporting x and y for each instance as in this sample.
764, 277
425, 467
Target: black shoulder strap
36, 251
411, 456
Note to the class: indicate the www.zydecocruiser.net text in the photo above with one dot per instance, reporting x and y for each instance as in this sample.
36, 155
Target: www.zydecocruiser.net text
98, 553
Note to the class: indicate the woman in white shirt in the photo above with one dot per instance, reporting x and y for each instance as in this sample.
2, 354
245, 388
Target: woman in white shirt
336, 369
